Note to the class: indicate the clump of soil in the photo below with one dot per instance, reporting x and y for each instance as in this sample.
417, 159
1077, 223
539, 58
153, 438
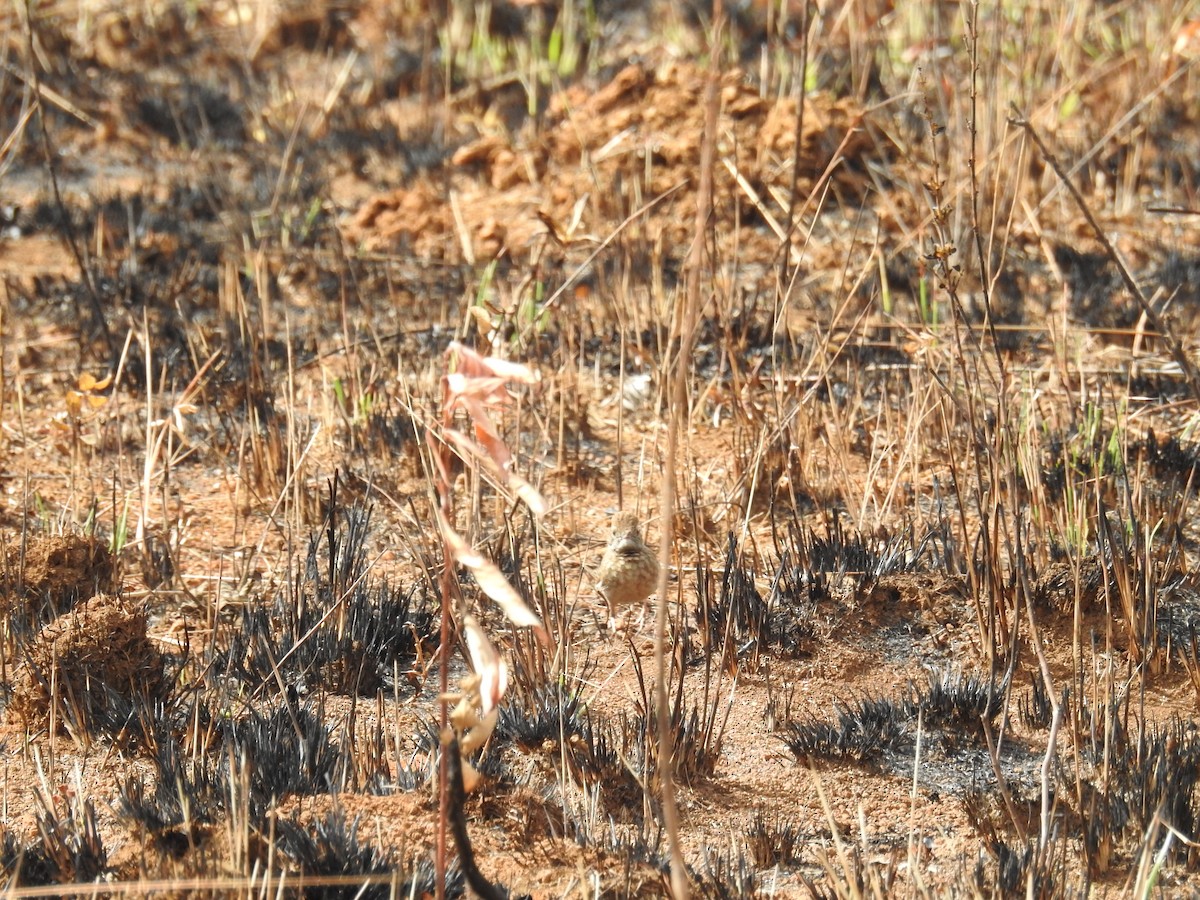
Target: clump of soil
58, 568
98, 660
646, 127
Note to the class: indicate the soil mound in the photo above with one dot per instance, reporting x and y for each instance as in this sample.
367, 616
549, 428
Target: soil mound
95, 663
59, 568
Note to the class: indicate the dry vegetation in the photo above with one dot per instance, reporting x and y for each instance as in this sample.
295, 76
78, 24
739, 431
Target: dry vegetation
931, 616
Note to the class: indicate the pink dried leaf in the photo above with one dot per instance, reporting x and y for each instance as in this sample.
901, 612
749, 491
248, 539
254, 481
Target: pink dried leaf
495, 447
471, 363
468, 449
471, 451
466, 360
463, 445
488, 390
489, 578
512, 371
479, 417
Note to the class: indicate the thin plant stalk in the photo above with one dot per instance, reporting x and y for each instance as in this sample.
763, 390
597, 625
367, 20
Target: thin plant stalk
445, 500
678, 410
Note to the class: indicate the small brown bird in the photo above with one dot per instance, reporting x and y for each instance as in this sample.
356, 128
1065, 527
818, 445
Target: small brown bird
629, 570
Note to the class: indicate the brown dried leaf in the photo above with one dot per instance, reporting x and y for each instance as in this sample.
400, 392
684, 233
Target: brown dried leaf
435, 450
466, 448
487, 663
528, 494
470, 774
483, 321
464, 716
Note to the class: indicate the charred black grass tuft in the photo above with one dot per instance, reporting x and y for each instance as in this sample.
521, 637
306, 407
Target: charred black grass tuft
331, 847
960, 700
286, 751
697, 746
773, 841
1175, 462
185, 797
165, 816
405, 778
595, 752
863, 731
1018, 868
70, 839
736, 618
739, 619
1158, 777
793, 603
422, 882
866, 729
812, 566
25, 865
147, 720
724, 875
1036, 709
68, 848
1012, 874
1103, 817
553, 714
634, 853
335, 628
1152, 777
600, 762
840, 553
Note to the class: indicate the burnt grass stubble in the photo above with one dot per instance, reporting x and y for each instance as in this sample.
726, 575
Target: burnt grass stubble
232, 726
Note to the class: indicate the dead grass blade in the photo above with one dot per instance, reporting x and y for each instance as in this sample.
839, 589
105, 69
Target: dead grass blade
1178, 353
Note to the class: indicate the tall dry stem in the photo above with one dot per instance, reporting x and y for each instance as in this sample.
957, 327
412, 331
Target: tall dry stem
679, 408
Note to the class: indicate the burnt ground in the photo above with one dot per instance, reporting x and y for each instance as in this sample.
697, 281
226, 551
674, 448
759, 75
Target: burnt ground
931, 600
